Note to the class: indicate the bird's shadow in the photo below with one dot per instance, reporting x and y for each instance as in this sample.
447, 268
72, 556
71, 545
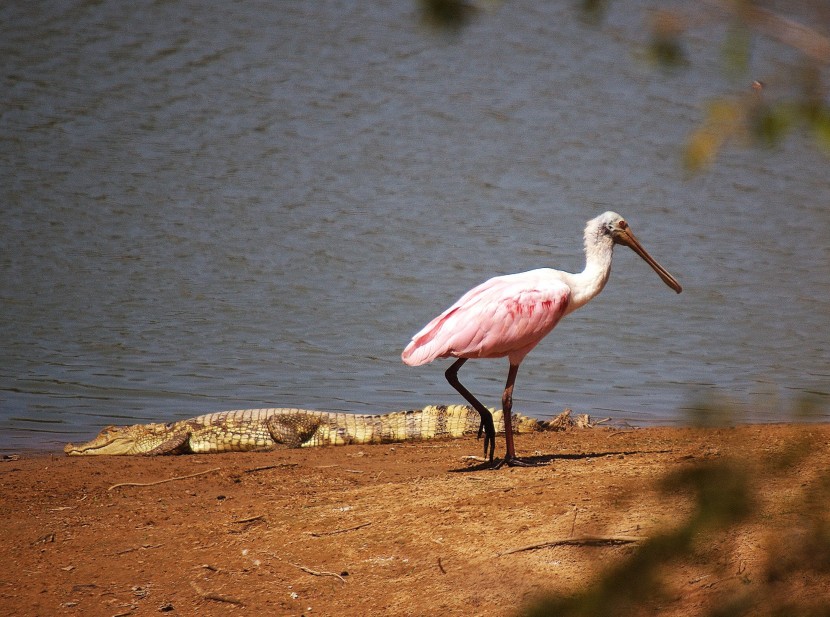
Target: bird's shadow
547, 459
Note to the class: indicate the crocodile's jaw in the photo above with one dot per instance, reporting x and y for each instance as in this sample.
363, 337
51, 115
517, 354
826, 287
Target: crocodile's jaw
120, 440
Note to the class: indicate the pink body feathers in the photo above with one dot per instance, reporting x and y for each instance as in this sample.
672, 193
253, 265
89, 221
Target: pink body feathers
504, 316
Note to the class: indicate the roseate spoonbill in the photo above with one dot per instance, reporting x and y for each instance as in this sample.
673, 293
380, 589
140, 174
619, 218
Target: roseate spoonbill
509, 315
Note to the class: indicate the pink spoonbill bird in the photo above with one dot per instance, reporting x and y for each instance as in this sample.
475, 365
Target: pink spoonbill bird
508, 316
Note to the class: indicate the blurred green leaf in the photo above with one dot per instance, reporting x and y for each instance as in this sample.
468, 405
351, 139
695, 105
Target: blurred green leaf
593, 11
721, 490
448, 15
737, 49
667, 51
770, 124
724, 118
665, 46
821, 128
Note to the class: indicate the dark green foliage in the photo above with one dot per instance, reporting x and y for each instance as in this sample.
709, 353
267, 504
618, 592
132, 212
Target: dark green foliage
722, 499
761, 115
667, 50
726, 494
449, 15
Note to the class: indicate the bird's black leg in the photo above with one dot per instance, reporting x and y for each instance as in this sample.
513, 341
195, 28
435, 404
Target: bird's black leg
486, 417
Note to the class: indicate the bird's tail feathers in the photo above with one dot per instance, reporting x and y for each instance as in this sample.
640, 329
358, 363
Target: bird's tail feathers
417, 354
430, 343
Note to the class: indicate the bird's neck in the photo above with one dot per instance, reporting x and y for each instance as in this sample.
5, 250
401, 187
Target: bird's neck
589, 282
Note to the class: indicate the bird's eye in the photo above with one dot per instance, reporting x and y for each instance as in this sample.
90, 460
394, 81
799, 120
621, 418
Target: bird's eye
623, 225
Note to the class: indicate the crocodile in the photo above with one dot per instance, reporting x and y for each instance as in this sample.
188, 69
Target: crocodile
245, 430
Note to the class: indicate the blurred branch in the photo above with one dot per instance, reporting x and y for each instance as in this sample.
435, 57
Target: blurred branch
811, 43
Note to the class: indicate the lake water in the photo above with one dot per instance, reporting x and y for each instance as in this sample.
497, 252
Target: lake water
258, 203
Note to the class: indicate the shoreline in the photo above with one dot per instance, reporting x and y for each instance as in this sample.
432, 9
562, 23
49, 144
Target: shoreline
56, 448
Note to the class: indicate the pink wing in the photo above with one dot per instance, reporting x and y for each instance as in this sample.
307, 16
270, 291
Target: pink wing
505, 316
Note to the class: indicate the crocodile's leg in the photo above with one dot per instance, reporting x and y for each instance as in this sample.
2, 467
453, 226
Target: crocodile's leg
486, 417
175, 443
293, 430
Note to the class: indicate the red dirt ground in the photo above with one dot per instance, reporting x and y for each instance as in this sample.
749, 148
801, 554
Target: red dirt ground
409, 529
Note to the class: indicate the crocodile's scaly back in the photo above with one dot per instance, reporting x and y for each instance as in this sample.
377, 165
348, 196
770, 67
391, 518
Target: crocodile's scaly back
264, 429
431, 422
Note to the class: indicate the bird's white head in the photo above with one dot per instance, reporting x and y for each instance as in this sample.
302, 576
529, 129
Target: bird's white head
602, 228
613, 228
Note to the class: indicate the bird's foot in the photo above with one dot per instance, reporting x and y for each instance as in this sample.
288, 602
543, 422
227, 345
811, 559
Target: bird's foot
489, 430
489, 446
514, 461
485, 463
